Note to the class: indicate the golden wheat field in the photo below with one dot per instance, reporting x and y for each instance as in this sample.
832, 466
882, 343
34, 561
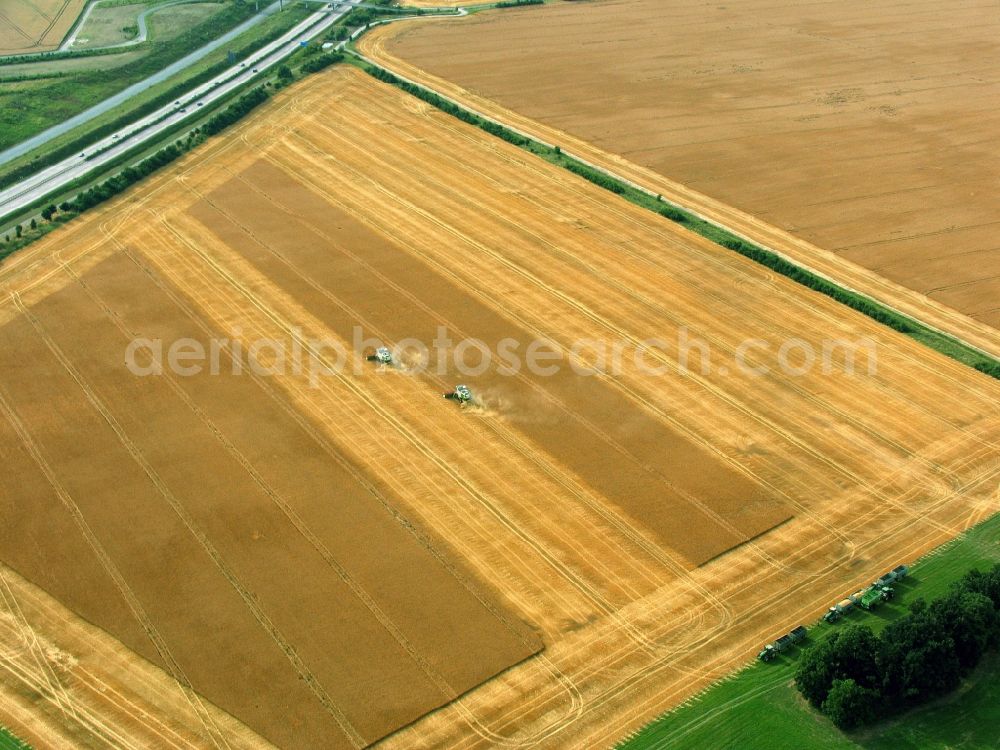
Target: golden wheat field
264, 556
28, 26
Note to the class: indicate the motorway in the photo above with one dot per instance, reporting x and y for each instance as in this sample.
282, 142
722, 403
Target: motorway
123, 96
47, 181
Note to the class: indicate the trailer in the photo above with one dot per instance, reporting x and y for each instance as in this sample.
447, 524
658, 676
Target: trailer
896, 574
876, 594
771, 650
840, 609
880, 590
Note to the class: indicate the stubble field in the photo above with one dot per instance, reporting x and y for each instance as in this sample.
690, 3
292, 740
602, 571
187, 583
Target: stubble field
649, 530
28, 26
857, 137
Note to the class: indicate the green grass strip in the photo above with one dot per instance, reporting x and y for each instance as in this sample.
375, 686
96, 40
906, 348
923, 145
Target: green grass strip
227, 112
10, 741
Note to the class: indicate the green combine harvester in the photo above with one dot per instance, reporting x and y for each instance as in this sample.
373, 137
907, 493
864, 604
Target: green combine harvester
461, 394
382, 355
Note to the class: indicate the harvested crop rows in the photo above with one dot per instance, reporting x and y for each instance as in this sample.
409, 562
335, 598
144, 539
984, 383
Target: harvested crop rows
852, 137
649, 529
36, 25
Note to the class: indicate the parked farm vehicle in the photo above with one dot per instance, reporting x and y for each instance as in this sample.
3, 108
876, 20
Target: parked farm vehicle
896, 574
840, 609
871, 597
868, 598
771, 650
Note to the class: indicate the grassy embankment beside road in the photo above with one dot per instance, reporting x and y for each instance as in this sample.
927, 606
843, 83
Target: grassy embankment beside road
134, 165
27, 111
90, 86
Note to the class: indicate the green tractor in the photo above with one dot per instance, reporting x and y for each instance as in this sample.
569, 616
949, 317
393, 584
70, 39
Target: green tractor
770, 651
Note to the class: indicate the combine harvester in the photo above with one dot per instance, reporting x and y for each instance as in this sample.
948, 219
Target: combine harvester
770, 651
461, 394
868, 598
382, 355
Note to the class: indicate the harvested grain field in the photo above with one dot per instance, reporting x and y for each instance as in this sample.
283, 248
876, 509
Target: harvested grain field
648, 528
858, 137
28, 26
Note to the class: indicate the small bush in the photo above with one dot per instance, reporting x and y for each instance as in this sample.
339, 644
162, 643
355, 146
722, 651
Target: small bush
320, 62
674, 214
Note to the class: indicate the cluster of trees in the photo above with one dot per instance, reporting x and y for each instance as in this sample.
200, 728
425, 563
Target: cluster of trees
235, 111
57, 55
364, 16
50, 214
518, 3
124, 179
598, 178
319, 62
446, 106
855, 676
31, 77
674, 214
991, 368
